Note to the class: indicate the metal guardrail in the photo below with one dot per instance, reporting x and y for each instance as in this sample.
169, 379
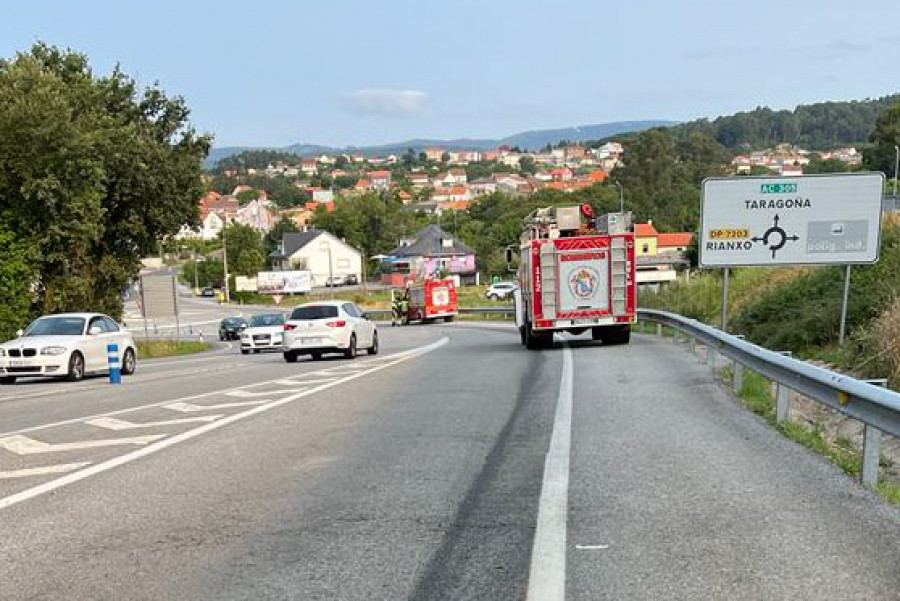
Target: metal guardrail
875, 406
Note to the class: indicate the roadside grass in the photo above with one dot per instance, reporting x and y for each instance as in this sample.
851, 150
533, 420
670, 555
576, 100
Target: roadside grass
756, 395
154, 349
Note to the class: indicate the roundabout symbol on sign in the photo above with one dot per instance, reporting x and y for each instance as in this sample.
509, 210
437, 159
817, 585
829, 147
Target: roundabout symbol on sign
775, 237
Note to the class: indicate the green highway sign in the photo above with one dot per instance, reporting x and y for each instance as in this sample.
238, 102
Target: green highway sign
778, 189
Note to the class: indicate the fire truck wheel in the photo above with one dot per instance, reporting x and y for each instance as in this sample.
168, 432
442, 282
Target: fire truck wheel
448, 319
597, 334
522, 334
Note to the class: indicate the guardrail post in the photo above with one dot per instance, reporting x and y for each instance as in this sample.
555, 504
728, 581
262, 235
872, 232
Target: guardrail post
871, 451
692, 345
782, 396
710, 356
737, 379
871, 456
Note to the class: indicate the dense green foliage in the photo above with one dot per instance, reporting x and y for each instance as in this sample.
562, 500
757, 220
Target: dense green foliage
257, 159
93, 172
814, 126
662, 173
881, 155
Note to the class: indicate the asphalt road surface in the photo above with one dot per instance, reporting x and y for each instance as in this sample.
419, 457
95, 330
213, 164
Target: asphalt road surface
453, 465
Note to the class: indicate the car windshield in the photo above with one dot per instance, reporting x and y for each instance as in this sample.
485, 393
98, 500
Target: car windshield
56, 326
314, 312
235, 321
268, 319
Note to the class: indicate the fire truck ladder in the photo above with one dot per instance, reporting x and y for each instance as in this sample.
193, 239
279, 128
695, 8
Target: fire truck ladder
619, 268
549, 280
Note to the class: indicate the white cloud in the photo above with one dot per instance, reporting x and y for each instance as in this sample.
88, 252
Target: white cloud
387, 103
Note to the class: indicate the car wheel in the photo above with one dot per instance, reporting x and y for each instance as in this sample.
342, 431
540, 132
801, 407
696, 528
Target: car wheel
8, 380
316, 356
289, 357
129, 363
492, 296
350, 353
245, 351
374, 349
256, 351
76, 367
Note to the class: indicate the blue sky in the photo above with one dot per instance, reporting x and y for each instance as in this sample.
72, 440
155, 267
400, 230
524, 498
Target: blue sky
354, 72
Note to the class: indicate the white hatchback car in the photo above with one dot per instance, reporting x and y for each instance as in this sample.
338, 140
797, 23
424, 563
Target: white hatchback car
263, 333
66, 345
328, 327
501, 290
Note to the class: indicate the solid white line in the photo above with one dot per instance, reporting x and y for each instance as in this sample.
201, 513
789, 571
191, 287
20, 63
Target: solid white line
591, 547
22, 445
246, 394
99, 468
61, 468
547, 577
111, 423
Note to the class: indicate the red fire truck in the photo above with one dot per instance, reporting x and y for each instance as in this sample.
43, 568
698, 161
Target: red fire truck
433, 299
576, 273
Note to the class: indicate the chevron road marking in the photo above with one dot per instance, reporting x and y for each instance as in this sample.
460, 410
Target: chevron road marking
192, 408
111, 423
22, 445
61, 468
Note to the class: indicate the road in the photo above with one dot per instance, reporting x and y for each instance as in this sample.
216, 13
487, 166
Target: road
453, 465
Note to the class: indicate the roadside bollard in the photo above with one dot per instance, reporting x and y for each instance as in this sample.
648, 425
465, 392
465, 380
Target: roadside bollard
112, 354
659, 331
200, 334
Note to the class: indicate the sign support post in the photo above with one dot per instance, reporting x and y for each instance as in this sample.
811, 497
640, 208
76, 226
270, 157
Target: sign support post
844, 305
725, 299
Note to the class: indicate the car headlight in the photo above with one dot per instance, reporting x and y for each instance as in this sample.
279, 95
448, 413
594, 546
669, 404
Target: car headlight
53, 350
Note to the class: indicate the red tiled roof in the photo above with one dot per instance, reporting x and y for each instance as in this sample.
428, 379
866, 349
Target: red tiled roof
379, 174
363, 183
675, 239
645, 230
598, 176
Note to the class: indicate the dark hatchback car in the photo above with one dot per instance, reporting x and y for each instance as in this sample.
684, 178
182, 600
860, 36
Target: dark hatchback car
230, 328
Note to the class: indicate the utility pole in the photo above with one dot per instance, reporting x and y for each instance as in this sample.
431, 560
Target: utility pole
330, 273
621, 196
225, 257
196, 275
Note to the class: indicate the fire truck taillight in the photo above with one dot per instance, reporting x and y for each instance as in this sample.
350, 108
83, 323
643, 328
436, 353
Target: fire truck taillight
623, 319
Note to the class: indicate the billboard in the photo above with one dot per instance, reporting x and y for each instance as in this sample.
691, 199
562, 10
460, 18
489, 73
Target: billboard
158, 299
812, 219
283, 282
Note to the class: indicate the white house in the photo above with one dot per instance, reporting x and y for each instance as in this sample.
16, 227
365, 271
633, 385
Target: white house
319, 252
258, 214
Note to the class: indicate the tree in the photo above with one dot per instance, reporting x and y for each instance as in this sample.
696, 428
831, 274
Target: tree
341, 162
881, 155
245, 196
245, 250
527, 165
272, 240
16, 273
93, 173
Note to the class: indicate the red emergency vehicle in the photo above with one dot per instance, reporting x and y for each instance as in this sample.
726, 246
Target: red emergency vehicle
576, 273
433, 299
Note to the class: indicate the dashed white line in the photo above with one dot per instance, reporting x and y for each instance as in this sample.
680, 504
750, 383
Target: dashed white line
547, 577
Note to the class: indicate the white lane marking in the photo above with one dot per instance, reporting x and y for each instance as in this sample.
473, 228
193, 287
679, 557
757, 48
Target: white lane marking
22, 445
591, 547
76, 420
111, 423
61, 468
547, 576
192, 408
99, 468
246, 394
301, 382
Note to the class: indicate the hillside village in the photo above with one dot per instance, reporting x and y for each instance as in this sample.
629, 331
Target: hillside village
440, 180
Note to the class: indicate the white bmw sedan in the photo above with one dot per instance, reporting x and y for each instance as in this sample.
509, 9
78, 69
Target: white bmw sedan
68, 345
328, 327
